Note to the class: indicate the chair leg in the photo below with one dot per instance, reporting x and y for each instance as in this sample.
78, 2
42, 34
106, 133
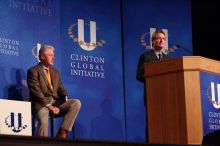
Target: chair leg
73, 132
52, 125
33, 126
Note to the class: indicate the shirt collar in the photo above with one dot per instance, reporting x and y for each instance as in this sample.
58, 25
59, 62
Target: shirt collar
44, 67
158, 52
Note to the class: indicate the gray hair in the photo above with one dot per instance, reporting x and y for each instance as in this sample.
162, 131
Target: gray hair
43, 50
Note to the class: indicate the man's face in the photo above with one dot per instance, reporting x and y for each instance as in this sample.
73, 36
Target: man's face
48, 58
159, 41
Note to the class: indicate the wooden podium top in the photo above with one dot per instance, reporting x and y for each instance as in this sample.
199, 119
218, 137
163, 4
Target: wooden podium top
183, 63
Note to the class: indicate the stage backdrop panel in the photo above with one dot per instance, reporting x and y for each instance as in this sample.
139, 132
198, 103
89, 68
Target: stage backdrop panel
92, 66
139, 17
25, 23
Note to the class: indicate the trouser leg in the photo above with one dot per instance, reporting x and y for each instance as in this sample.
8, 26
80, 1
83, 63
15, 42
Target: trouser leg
71, 108
42, 117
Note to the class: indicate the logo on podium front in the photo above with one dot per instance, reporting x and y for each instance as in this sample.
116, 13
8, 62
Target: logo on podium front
211, 93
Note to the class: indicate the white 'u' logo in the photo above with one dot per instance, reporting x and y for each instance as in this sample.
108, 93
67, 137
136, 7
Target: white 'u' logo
215, 104
91, 45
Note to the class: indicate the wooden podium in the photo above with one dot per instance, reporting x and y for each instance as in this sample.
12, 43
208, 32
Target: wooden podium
174, 99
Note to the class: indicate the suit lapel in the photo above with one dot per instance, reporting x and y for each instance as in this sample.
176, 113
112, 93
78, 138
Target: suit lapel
165, 56
153, 55
41, 70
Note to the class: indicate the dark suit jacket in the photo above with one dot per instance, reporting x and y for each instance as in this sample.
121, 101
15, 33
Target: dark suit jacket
40, 92
146, 57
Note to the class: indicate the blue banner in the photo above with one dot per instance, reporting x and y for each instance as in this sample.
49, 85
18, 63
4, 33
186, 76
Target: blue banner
92, 66
25, 23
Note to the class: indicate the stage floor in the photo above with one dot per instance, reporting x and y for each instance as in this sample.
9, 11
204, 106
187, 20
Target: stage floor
8, 140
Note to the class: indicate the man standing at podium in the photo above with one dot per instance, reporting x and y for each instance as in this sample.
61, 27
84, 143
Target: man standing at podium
48, 94
156, 54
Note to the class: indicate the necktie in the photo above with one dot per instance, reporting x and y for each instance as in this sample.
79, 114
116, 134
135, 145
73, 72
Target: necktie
160, 56
48, 77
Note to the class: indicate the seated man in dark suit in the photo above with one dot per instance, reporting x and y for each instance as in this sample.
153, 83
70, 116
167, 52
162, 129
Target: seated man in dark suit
48, 94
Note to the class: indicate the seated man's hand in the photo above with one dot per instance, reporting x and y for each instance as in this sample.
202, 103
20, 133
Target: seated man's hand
55, 110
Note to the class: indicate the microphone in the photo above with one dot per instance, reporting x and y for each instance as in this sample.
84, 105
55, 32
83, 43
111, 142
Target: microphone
176, 47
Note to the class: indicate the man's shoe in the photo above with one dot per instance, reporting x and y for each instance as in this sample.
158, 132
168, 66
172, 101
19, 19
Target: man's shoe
62, 134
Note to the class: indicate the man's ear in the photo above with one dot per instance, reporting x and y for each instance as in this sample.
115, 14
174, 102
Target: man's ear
153, 44
42, 57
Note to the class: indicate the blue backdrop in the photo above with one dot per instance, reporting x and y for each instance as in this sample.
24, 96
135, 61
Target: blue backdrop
102, 114
21, 29
95, 53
